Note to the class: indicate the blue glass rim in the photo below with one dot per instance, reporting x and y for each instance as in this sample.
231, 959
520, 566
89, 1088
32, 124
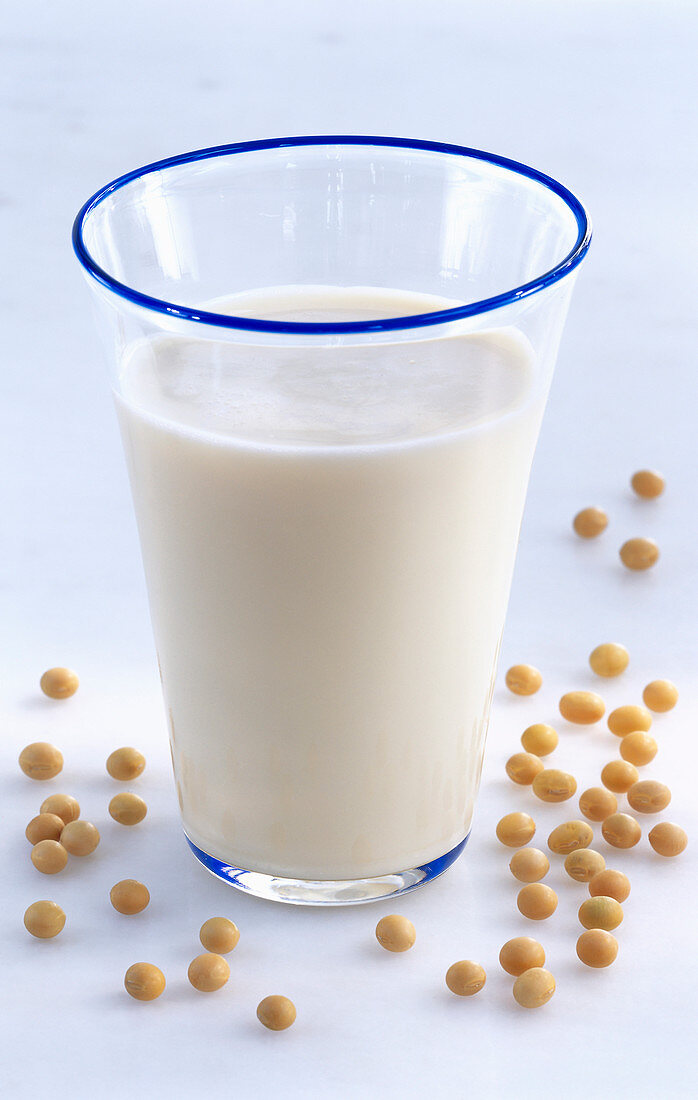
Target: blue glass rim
252, 324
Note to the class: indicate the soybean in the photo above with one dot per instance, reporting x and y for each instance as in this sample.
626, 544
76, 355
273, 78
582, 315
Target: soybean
621, 831
609, 659
125, 764
539, 739
534, 988
396, 933
523, 767
62, 805
582, 707
80, 838
660, 695
129, 897
40, 760
521, 954
627, 719
647, 484
668, 839
638, 748
276, 1012
49, 857
523, 679
127, 808
44, 827
597, 804
220, 935
44, 919
570, 836
552, 785
59, 683
584, 864
638, 554
649, 797
590, 522
144, 982
610, 884
597, 948
537, 901
515, 830
529, 865
619, 776
600, 912
465, 978
208, 972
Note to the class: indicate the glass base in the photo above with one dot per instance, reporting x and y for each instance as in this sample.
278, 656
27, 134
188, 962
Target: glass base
327, 892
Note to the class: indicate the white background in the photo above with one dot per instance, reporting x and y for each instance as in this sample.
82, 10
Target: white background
599, 95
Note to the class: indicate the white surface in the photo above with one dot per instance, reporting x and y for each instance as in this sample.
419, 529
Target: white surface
599, 95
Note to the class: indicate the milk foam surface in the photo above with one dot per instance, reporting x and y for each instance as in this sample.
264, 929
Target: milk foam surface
328, 536
363, 394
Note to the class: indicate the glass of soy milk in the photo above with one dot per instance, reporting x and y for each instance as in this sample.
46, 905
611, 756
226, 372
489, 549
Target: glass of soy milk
330, 359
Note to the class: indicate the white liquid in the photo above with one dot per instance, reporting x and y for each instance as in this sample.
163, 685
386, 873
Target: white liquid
328, 537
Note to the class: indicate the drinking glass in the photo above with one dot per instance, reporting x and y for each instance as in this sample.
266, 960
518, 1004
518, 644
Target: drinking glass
330, 357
